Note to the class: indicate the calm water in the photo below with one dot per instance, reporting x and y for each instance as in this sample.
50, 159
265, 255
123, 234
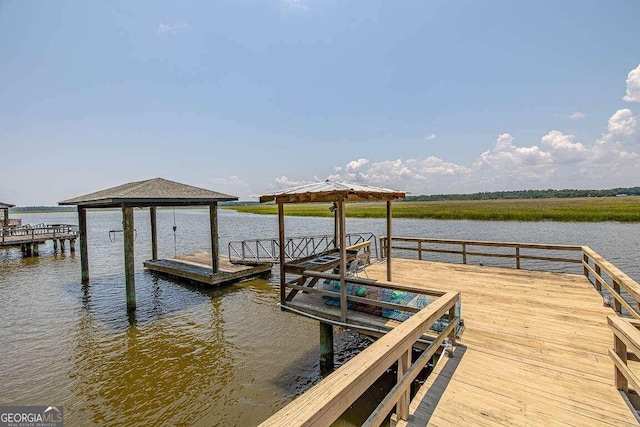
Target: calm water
224, 356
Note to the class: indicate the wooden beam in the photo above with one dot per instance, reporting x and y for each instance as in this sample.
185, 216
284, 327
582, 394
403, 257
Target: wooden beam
335, 225
343, 261
282, 253
84, 252
326, 348
389, 240
129, 266
213, 219
154, 233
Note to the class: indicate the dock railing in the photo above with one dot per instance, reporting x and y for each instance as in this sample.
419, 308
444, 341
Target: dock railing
602, 274
626, 346
606, 277
467, 249
325, 402
37, 231
268, 250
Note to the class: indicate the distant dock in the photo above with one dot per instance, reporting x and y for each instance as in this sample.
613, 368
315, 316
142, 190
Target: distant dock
197, 269
28, 237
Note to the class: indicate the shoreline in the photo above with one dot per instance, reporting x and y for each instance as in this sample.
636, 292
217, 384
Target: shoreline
601, 209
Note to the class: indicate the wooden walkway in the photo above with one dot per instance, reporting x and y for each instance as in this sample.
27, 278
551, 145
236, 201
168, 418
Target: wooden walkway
534, 350
197, 268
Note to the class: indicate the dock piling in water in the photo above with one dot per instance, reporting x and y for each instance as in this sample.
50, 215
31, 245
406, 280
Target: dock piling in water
326, 348
129, 266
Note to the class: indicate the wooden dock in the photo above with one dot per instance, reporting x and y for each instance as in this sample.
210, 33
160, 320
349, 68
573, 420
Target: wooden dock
534, 350
29, 238
537, 348
197, 268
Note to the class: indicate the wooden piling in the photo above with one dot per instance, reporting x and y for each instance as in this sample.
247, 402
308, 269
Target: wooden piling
61, 245
35, 249
72, 245
55, 245
84, 252
281, 255
343, 261
129, 267
154, 233
326, 347
388, 240
213, 220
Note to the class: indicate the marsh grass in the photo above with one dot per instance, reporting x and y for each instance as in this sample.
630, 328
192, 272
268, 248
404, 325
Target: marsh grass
623, 209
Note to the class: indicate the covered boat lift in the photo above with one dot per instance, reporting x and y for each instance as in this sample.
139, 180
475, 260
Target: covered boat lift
152, 193
338, 193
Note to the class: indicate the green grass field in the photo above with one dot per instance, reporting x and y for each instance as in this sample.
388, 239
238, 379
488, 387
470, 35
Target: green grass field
624, 209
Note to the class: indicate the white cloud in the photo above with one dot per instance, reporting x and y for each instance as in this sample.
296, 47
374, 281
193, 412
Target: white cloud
633, 86
430, 137
285, 182
172, 28
337, 168
296, 5
622, 122
356, 164
232, 185
577, 115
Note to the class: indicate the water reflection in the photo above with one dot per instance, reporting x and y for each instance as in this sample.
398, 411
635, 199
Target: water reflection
172, 366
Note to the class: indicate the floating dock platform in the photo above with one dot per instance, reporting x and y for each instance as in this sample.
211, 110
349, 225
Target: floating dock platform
197, 268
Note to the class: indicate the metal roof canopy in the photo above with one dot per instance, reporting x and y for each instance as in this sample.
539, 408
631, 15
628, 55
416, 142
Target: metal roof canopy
331, 191
5, 205
339, 193
150, 193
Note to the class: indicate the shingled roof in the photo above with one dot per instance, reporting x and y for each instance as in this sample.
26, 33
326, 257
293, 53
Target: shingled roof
5, 205
152, 192
330, 191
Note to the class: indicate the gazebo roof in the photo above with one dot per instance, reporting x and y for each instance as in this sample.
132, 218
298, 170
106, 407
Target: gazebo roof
5, 205
331, 191
152, 192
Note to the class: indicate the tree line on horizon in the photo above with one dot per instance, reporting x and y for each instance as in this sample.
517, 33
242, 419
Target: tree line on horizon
527, 194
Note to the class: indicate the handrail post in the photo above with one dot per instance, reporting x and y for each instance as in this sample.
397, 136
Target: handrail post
464, 253
420, 250
402, 407
621, 350
617, 307
585, 270
599, 273
451, 315
518, 257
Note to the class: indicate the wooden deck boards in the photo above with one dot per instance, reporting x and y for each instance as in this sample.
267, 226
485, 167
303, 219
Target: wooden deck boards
197, 267
534, 350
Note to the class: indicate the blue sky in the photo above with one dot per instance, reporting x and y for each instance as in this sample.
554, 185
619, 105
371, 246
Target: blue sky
245, 96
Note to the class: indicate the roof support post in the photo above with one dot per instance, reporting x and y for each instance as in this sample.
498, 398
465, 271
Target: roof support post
343, 261
84, 252
281, 256
388, 240
335, 225
6, 217
154, 233
129, 267
213, 220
